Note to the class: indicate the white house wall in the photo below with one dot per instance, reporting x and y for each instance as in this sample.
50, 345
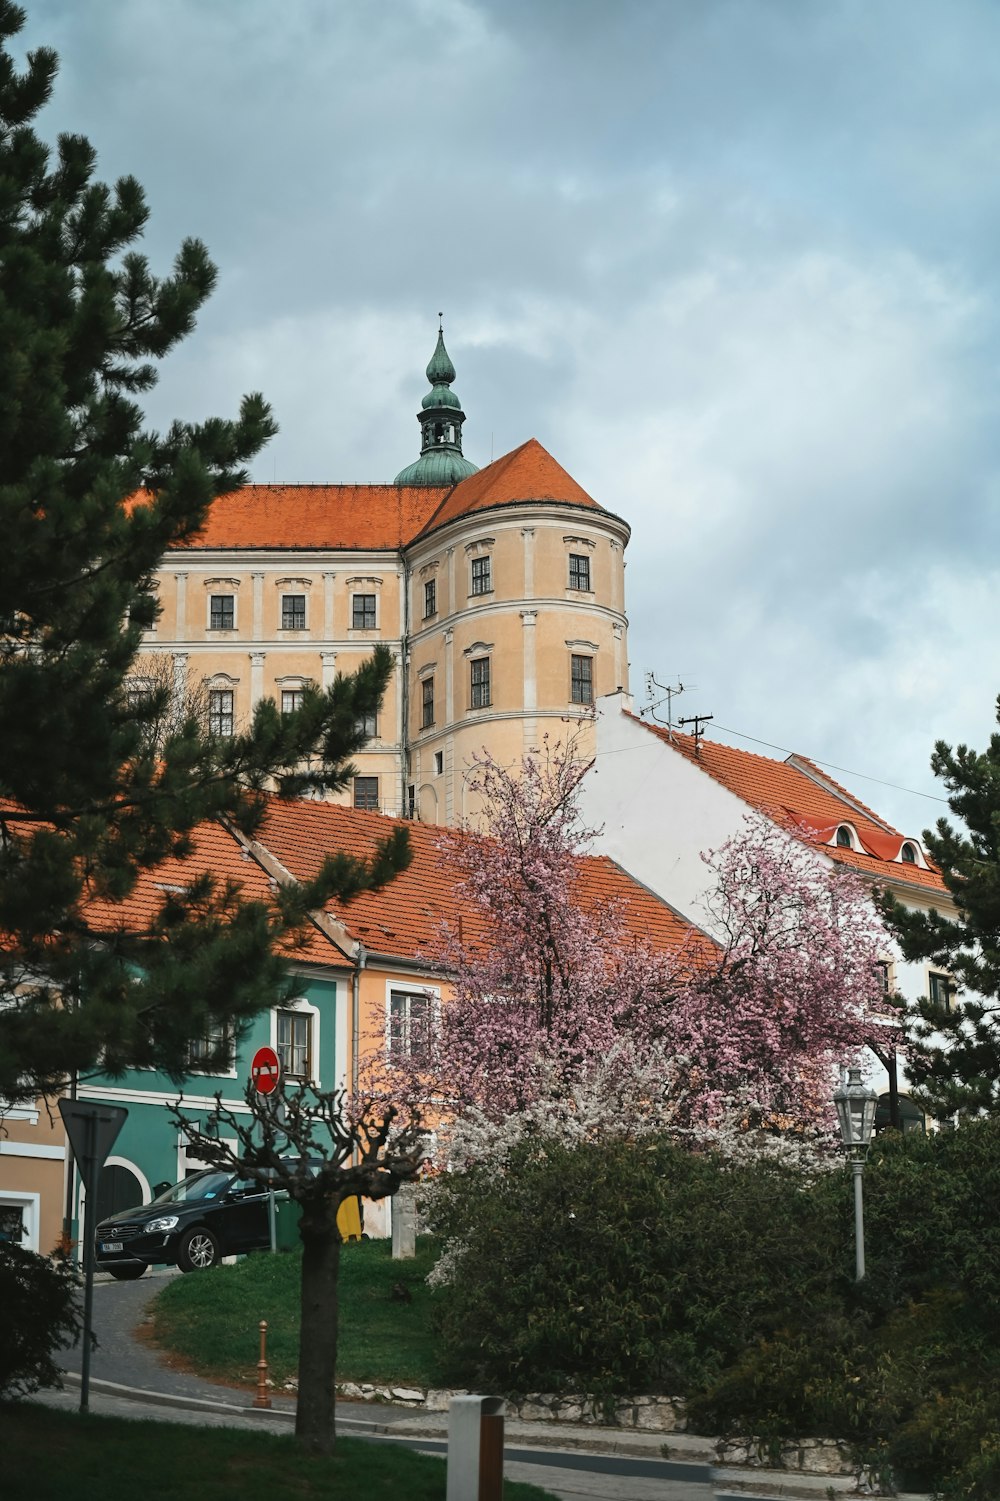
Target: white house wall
657, 812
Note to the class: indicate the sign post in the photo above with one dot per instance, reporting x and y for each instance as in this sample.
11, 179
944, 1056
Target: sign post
92, 1130
265, 1075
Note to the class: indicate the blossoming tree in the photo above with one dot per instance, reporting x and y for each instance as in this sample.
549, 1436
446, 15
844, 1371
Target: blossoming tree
563, 1019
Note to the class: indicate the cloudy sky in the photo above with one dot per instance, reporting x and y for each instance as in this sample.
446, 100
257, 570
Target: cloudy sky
733, 262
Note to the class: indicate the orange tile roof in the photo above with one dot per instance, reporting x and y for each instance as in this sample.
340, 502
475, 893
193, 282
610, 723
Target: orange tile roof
215, 850
292, 517
787, 792
404, 919
525, 475
378, 518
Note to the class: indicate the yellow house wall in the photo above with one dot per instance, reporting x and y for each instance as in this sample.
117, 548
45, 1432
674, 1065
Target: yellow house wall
32, 1171
529, 625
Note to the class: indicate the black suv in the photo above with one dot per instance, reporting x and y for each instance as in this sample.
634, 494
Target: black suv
192, 1225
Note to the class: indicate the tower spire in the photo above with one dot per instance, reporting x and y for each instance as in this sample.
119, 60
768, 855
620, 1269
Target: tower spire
441, 461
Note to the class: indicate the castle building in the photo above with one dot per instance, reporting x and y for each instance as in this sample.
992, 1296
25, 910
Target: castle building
500, 592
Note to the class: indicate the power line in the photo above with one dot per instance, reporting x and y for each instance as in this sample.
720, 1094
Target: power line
832, 765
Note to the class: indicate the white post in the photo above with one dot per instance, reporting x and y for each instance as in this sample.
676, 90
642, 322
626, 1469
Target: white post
475, 1449
404, 1224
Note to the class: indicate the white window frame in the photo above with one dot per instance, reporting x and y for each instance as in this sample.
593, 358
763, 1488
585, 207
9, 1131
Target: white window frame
195, 1068
221, 630
301, 1004
302, 594
409, 988
366, 594
30, 1207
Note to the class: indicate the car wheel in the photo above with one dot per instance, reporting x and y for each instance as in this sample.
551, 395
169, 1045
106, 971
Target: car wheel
198, 1249
126, 1273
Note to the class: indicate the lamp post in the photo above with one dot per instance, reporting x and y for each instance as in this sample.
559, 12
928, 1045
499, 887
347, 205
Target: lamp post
856, 1114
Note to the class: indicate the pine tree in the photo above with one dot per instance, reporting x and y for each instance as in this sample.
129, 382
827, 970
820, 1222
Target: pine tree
954, 1056
91, 791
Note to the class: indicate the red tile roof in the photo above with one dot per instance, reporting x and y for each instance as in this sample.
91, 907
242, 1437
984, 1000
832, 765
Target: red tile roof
379, 518
405, 918
799, 795
216, 850
292, 517
526, 475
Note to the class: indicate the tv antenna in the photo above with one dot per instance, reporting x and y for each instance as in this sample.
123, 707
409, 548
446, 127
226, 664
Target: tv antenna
668, 696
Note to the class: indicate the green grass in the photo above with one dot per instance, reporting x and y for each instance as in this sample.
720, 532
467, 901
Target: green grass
49, 1456
211, 1318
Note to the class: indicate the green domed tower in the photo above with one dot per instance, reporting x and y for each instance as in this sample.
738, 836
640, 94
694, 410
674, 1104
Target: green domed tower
440, 418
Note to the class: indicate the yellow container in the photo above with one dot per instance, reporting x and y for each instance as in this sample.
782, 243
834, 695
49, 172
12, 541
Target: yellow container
349, 1219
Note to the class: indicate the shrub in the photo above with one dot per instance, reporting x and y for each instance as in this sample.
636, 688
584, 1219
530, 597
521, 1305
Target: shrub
619, 1268
38, 1315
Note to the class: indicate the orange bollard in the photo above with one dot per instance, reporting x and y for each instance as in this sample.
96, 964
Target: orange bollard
262, 1398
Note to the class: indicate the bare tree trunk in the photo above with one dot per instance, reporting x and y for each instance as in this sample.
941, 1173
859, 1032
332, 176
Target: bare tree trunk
315, 1424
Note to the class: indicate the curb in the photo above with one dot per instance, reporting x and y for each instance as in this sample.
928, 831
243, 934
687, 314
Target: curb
208, 1405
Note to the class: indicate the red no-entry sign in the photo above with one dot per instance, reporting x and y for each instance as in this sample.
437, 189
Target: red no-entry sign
265, 1070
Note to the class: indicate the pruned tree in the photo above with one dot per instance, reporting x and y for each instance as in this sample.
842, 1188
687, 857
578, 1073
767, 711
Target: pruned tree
320, 1147
94, 787
954, 1050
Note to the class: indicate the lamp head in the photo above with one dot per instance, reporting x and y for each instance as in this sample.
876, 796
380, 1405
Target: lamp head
856, 1105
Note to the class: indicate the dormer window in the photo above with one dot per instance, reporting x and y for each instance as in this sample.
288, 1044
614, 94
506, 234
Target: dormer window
845, 840
908, 855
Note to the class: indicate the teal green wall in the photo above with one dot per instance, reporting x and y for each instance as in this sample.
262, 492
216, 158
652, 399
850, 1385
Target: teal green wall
148, 1139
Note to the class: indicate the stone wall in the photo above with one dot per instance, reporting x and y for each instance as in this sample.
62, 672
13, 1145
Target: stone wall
810, 1456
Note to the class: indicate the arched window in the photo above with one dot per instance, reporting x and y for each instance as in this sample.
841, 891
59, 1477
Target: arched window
844, 840
908, 855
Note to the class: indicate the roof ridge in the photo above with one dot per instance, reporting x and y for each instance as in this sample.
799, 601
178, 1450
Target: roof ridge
808, 768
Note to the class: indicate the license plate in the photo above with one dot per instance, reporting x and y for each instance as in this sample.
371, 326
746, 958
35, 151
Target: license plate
107, 1246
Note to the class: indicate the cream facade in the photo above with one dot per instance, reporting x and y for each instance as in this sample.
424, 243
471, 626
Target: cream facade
522, 628
499, 592
261, 624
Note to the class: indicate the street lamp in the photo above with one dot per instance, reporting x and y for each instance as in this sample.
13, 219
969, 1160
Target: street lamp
856, 1114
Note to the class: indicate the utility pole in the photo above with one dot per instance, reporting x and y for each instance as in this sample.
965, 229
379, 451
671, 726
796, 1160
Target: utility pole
697, 720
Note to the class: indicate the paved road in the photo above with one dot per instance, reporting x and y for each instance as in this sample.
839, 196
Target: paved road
124, 1361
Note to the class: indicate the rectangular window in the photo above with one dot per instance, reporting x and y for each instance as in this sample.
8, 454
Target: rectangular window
482, 578
291, 699
363, 612
581, 680
430, 598
579, 571
293, 612
366, 792
368, 725
220, 711
480, 682
212, 1052
222, 612
294, 1037
426, 703
438, 763
411, 1017
941, 989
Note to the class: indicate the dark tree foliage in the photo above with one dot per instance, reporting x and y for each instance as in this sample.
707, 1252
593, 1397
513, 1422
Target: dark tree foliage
955, 1057
91, 792
321, 1148
40, 1315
